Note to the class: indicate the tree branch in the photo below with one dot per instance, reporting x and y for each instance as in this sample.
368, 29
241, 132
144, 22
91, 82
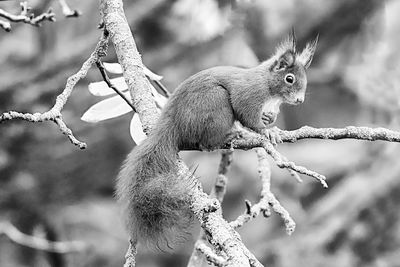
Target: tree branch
244, 139
130, 256
202, 248
130, 60
282, 162
54, 114
219, 189
218, 192
5, 24
25, 17
349, 132
107, 80
267, 198
18, 237
219, 233
115, 22
67, 11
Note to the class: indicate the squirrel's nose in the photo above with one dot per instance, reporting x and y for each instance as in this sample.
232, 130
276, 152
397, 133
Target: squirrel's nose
299, 100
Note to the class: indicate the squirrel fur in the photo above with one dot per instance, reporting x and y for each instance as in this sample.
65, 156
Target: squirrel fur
199, 115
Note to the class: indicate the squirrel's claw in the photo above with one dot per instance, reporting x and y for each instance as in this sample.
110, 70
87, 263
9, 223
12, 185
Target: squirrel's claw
273, 135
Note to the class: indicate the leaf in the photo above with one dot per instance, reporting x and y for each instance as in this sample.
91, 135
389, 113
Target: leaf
136, 129
113, 68
158, 98
109, 108
117, 69
151, 75
102, 89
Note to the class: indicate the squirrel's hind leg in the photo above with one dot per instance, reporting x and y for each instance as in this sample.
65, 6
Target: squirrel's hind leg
219, 122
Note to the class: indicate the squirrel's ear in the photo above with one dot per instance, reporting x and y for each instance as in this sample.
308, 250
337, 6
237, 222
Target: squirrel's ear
285, 60
307, 54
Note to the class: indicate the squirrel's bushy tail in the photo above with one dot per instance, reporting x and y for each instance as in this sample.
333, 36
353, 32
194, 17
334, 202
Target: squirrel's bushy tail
155, 199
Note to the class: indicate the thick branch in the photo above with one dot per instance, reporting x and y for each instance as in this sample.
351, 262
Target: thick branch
243, 139
218, 192
248, 140
349, 132
211, 257
130, 61
130, 256
115, 22
220, 234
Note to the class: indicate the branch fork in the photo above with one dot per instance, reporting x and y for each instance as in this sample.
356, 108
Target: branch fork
54, 114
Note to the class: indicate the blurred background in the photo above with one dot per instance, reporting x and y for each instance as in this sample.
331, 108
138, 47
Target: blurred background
51, 189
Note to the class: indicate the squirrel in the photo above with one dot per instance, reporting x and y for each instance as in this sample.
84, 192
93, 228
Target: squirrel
199, 115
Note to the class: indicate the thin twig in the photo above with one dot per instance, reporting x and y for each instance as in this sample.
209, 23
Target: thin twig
18, 237
5, 25
281, 163
25, 17
107, 80
293, 173
267, 198
54, 114
67, 11
162, 88
219, 189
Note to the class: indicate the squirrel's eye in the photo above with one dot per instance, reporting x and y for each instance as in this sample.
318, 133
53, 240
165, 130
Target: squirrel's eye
289, 78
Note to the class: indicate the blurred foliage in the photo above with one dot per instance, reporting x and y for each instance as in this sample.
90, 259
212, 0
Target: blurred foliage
49, 188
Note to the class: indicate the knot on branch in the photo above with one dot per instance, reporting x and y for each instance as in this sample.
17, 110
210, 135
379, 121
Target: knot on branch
212, 206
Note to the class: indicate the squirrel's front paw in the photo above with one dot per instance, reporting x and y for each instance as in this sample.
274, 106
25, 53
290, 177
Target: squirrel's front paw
268, 118
273, 135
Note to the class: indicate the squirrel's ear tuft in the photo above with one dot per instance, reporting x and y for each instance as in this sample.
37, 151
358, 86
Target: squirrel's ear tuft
286, 52
292, 40
307, 54
288, 44
285, 60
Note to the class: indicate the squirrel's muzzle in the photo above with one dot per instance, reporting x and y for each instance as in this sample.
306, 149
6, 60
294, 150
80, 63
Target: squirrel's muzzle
299, 100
